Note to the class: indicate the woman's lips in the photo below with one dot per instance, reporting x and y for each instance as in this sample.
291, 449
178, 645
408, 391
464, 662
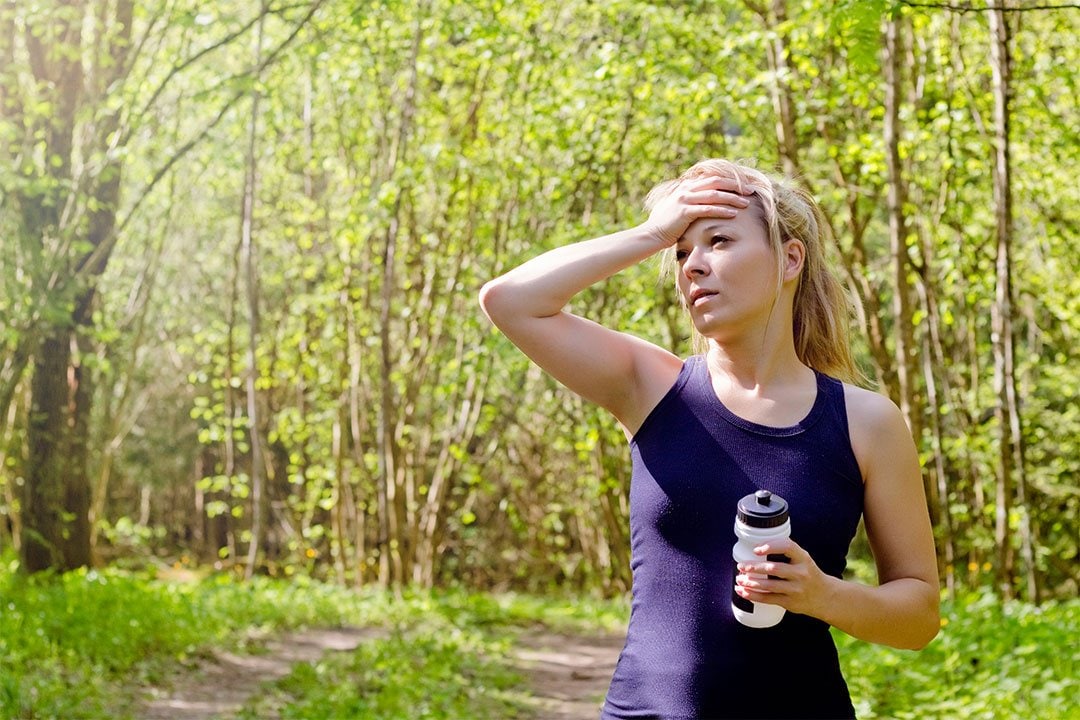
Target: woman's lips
700, 297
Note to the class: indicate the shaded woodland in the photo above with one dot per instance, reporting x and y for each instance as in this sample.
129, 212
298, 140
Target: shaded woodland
242, 244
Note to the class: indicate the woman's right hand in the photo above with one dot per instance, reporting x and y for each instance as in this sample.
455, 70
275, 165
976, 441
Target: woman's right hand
691, 200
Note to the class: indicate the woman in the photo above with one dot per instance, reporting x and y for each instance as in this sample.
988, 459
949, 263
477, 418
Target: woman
758, 408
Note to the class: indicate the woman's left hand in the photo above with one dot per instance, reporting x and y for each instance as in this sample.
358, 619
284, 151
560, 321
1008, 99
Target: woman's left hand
799, 585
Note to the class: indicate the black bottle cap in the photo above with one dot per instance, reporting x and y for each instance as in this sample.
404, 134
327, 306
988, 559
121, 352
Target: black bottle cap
763, 510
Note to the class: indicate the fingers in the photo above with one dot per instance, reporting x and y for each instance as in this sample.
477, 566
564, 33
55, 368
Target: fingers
777, 570
712, 191
783, 546
785, 575
708, 197
755, 595
755, 591
716, 197
782, 561
713, 182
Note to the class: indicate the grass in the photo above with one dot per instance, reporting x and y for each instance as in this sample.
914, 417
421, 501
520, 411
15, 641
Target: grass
991, 660
445, 659
83, 646
431, 669
86, 645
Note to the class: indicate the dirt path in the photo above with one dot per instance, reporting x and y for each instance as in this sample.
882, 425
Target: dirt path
219, 686
568, 674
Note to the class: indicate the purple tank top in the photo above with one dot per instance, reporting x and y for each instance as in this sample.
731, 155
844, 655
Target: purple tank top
686, 656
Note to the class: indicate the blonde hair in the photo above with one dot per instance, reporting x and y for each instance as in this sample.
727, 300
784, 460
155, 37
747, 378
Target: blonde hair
821, 308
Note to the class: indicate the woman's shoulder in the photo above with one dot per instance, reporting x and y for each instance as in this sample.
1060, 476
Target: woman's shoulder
868, 405
876, 425
655, 374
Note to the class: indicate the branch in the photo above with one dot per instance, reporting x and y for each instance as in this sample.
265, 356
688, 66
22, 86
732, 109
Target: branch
226, 40
136, 53
105, 248
11, 371
970, 8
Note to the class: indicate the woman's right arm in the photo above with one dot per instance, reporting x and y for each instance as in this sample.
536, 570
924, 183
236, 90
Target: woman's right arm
607, 367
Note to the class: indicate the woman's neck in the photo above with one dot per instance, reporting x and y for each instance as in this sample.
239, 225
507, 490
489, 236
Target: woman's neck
751, 367
774, 389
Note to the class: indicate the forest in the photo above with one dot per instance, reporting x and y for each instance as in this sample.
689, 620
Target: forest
239, 330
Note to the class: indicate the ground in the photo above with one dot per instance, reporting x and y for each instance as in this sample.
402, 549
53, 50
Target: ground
567, 674
220, 685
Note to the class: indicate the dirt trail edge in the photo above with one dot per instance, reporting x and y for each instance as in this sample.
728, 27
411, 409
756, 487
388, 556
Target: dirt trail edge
219, 686
568, 674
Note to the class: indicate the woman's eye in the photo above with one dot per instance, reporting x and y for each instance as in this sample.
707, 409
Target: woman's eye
719, 239
680, 255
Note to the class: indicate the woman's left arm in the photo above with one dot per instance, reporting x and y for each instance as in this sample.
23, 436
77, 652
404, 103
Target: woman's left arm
902, 610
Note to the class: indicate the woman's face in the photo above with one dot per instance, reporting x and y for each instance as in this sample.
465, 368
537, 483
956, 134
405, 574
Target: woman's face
727, 274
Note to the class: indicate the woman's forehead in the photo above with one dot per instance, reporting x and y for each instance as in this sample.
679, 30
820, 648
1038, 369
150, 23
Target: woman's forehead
743, 223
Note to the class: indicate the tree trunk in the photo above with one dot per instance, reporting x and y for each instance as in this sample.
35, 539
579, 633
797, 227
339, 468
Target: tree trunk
354, 399
226, 531
58, 486
56, 496
247, 241
42, 498
1011, 476
47, 536
391, 495
946, 550
783, 106
902, 305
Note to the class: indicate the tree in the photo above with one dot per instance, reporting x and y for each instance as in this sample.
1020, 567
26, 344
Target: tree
66, 99
1011, 477
353, 415
67, 208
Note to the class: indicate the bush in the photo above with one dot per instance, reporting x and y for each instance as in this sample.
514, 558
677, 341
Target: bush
432, 670
991, 660
84, 644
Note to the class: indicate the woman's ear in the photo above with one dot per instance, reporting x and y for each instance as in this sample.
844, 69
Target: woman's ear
794, 258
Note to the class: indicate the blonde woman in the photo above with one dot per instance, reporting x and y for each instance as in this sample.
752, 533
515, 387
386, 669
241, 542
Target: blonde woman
763, 405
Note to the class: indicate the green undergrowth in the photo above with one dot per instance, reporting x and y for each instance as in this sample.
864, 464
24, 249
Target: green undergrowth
445, 659
87, 645
430, 669
991, 660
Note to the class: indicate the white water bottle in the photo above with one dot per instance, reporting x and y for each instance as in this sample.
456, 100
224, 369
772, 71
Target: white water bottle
762, 518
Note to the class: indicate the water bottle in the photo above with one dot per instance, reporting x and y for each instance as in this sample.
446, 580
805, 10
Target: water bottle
761, 518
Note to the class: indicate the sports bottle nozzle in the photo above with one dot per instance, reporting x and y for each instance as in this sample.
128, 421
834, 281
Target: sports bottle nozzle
762, 509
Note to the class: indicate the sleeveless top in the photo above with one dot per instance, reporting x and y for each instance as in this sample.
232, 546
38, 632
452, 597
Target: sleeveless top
693, 459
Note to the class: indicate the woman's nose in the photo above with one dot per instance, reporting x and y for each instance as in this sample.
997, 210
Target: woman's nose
694, 264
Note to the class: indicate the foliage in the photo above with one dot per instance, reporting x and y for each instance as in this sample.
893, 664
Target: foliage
86, 644
432, 669
406, 152
446, 657
83, 645
991, 660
